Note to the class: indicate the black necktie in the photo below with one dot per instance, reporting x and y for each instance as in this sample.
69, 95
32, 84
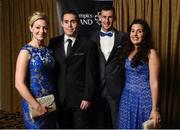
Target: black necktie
69, 46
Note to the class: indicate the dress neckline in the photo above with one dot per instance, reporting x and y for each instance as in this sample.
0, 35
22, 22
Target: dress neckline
36, 47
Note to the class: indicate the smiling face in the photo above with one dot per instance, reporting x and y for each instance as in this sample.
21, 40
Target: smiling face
106, 18
136, 34
70, 24
39, 30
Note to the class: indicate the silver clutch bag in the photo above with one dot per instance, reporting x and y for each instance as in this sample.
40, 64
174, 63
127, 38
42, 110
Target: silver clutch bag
149, 124
48, 101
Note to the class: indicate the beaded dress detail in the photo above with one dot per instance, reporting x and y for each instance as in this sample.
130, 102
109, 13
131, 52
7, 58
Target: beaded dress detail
38, 79
136, 103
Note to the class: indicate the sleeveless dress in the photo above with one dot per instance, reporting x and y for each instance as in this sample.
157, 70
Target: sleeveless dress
38, 80
136, 100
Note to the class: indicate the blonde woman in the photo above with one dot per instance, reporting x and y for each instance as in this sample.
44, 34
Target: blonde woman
33, 74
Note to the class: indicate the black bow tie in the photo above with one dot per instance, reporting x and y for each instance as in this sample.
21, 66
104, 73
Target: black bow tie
102, 34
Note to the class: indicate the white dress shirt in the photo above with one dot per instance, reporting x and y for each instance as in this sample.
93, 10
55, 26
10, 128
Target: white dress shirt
106, 44
66, 42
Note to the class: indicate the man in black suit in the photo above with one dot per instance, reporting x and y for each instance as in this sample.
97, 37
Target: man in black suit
74, 73
110, 43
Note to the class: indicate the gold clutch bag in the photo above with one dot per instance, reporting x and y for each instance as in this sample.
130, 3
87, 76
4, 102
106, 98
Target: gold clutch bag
149, 124
48, 101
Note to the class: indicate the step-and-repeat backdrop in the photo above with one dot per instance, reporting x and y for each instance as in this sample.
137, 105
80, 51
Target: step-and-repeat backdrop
88, 12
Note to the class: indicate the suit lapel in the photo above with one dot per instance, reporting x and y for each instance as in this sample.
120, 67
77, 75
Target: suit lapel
60, 48
116, 45
97, 39
75, 46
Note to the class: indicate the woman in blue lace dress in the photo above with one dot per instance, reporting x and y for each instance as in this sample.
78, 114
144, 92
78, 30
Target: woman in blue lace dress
139, 100
33, 74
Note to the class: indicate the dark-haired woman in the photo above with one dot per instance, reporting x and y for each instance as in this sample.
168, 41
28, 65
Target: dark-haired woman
139, 100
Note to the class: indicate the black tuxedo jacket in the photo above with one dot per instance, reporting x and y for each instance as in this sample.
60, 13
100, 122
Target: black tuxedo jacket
111, 71
74, 76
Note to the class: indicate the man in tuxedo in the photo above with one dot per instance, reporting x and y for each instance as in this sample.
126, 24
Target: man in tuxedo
74, 73
110, 42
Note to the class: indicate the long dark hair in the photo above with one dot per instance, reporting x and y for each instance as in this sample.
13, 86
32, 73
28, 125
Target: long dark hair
143, 48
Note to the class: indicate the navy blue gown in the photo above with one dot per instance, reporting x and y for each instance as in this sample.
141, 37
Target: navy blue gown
38, 80
136, 102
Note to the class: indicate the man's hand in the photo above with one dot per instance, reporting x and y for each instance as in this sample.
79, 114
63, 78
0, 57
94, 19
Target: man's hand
85, 104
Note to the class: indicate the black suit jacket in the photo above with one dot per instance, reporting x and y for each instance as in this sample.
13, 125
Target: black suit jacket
111, 71
74, 75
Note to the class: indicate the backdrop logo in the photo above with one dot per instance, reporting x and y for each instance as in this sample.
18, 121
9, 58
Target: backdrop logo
88, 11
89, 19
96, 18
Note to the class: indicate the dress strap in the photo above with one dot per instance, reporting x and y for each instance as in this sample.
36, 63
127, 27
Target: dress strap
28, 48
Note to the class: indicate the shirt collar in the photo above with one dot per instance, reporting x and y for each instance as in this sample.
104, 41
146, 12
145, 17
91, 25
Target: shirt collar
108, 31
68, 37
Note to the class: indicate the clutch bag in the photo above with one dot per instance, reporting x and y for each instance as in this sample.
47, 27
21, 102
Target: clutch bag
48, 101
149, 124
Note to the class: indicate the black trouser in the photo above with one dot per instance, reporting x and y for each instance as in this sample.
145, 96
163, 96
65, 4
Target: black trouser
105, 112
72, 117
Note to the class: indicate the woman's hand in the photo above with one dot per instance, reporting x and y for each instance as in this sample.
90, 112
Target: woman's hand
156, 117
40, 109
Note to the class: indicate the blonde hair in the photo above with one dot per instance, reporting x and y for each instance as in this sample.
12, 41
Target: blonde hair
37, 15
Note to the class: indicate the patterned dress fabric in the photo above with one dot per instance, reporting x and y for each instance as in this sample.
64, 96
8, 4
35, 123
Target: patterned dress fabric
136, 103
39, 74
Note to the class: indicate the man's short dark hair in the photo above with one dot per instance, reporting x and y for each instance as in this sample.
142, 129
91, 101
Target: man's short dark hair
107, 7
73, 12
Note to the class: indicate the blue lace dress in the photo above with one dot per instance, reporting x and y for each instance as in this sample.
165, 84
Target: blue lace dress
39, 74
136, 103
